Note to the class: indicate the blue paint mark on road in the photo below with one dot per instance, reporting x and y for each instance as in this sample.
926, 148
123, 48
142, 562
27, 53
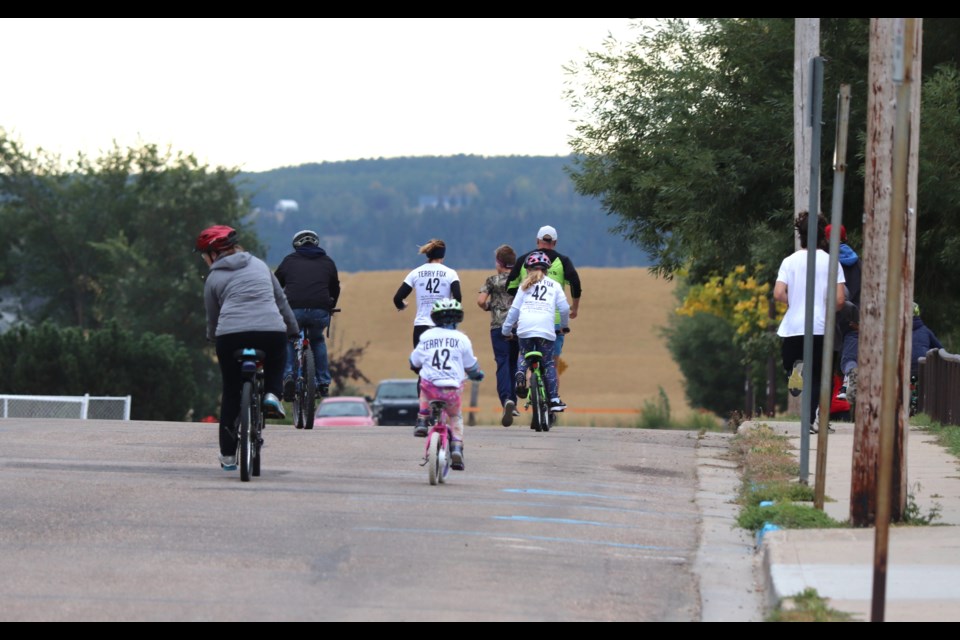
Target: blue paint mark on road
573, 494
485, 534
557, 521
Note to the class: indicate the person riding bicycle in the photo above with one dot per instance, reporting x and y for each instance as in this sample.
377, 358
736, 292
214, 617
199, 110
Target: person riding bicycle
539, 299
561, 270
245, 308
443, 359
312, 285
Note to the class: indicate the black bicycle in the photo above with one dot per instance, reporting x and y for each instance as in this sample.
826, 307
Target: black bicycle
251, 421
307, 394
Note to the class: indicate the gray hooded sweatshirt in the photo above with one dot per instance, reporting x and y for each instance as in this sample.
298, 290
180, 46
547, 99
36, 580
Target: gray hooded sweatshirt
242, 294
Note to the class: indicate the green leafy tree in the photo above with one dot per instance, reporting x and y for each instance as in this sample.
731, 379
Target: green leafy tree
111, 240
704, 348
686, 136
937, 277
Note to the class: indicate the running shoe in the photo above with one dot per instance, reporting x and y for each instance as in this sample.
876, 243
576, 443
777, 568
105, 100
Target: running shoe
456, 456
795, 381
509, 412
272, 408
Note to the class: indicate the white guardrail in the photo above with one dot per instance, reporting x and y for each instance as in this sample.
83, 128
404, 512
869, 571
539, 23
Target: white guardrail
84, 407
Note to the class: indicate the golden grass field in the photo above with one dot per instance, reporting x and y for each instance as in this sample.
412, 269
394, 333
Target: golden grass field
615, 357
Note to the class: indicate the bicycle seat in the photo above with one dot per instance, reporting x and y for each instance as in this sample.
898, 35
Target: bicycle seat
438, 404
533, 355
249, 354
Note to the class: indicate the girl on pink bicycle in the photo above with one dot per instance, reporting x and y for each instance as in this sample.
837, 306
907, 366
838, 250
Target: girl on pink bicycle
444, 359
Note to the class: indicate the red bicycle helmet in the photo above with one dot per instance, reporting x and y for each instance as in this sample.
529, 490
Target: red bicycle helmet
216, 238
538, 260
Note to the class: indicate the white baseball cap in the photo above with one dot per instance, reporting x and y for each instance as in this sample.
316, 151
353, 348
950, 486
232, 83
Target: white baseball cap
547, 233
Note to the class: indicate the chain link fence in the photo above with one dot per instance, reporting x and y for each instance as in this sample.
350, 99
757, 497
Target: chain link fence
80, 407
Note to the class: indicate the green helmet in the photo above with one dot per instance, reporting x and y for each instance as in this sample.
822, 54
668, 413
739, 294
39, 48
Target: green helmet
446, 311
916, 309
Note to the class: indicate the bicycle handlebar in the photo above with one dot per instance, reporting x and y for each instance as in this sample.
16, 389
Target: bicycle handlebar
332, 311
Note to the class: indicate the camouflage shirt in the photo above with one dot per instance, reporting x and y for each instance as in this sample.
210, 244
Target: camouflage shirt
498, 299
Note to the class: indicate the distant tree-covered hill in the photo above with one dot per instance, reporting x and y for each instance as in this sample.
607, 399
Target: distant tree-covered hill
373, 214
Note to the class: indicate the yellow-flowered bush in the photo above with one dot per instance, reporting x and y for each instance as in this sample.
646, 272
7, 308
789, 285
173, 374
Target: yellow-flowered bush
743, 300
739, 298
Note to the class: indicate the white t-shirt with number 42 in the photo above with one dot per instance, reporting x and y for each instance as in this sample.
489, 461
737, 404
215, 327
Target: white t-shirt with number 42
443, 356
431, 282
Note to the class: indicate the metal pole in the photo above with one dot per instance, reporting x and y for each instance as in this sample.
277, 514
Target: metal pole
816, 92
474, 395
893, 311
826, 375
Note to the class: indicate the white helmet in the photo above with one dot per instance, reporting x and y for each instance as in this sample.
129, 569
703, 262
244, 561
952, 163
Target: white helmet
305, 236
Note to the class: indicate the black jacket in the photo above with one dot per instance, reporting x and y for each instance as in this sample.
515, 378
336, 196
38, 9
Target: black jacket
309, 278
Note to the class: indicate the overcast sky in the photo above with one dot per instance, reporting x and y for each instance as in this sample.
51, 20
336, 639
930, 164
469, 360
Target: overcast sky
262, 93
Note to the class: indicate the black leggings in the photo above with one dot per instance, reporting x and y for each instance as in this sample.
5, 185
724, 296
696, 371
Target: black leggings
792, 350
418, 330
274, 344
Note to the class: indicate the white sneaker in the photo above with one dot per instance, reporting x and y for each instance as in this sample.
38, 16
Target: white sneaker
228, 463
508, 413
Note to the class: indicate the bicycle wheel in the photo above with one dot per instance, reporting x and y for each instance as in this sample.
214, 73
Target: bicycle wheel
309, 390
245, 448
298, 401
443, 461
536, 401
546, 418
257, 432
433, 458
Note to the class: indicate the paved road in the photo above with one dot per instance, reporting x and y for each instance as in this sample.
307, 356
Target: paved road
134, 521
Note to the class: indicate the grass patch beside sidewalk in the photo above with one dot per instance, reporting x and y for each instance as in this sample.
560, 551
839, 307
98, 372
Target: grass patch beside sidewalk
770, 492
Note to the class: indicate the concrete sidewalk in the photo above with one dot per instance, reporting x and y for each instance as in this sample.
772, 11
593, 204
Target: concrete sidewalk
923, 562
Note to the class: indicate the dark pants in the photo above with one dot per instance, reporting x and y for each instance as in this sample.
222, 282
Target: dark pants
792, 350
505, 354
848, 336
418, 330
849, 351
274, 344
313, 322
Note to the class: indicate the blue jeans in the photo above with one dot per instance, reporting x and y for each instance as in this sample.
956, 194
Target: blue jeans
313, 322
849, 351
558, 344
549, 371
505, 354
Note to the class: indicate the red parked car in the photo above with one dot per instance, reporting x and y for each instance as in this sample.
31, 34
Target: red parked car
344, 411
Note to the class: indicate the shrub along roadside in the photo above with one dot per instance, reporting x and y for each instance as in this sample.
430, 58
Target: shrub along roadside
67, 361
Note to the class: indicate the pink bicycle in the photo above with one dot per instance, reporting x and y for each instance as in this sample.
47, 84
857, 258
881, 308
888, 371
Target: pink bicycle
437, 452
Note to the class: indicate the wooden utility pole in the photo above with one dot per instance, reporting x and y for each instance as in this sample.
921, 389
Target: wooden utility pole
806, 47
886, 34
